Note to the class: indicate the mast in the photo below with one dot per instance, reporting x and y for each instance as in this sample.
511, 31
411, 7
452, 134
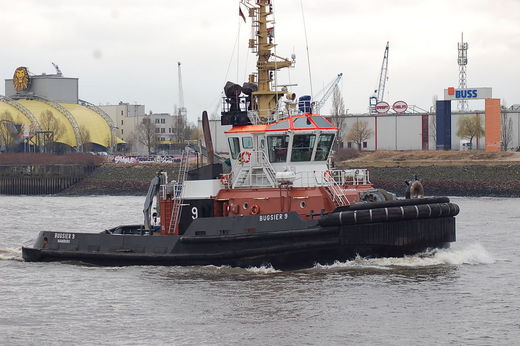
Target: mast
262, 43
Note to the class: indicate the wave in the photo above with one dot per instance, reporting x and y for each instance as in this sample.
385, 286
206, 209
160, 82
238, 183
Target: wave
264, 269
11, 254
472, 254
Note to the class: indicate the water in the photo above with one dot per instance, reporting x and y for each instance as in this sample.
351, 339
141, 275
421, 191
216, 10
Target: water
464, 295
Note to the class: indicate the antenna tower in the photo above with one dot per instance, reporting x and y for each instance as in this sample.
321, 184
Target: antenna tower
462, 61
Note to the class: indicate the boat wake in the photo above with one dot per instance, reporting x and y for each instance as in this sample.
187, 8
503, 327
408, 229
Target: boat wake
265, 269
11, 254
472, 254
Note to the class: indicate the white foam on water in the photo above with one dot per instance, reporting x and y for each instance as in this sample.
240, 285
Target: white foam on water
11, 254
472, 254
263, 269
214, 267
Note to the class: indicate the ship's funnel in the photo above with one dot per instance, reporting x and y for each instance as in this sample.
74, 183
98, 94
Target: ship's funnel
232, 90
249, 88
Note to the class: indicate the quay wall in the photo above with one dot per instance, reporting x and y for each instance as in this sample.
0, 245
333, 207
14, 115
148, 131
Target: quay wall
40, 179
117, 179
469, 181
457, 180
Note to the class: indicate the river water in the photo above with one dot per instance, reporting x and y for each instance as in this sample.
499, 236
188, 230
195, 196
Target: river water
468, 294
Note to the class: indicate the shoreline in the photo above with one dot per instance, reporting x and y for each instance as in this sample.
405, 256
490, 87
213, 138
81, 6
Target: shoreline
438, 180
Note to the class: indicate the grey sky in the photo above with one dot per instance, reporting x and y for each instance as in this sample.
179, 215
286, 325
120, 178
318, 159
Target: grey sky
125, 50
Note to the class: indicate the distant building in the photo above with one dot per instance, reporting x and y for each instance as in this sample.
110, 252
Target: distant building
34, 101
407, 131
129, 117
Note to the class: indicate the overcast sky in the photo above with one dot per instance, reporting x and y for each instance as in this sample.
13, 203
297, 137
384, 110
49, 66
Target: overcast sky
127, 50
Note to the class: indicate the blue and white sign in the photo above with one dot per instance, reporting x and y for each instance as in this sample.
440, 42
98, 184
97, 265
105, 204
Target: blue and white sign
467, 93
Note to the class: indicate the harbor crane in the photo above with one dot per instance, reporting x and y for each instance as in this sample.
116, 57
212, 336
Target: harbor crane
58, 71
380, 91
180, 110
316, 106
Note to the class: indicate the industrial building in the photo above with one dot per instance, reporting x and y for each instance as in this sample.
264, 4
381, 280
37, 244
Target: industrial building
46, 108
32, 101
409, 131
130, 117
40, 109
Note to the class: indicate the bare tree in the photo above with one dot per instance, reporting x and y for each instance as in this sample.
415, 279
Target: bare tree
54, 130
507, 130
338, 115
196, 133
470, 127
359, 133
183, 129
146, 134
7, 130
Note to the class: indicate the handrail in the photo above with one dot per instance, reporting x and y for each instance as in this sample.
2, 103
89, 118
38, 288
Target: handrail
254, 160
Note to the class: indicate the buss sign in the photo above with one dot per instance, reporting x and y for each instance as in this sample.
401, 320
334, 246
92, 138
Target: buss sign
400, 106
382, 107
467, 94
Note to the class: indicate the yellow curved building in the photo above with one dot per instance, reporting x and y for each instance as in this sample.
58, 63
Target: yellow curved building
92, 126
50, 103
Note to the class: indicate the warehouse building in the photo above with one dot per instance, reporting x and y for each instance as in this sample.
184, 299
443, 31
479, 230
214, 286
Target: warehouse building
46, 108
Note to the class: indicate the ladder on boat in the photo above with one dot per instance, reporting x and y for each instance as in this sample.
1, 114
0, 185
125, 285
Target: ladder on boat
335, 190
178, 189
257, 172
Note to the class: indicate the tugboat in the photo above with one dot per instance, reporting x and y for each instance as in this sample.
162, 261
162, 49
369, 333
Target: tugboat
280, 202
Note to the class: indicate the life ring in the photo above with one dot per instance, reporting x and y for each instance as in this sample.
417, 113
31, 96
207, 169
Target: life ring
255, 209
327, 175
228, 208
224, 179
245, 156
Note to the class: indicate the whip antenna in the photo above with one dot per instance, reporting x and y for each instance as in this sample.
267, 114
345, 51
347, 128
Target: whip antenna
307, 47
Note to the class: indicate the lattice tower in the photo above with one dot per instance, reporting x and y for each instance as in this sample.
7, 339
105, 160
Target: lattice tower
462, 61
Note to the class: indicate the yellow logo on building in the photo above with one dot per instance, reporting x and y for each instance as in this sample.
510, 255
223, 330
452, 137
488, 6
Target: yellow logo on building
21, 79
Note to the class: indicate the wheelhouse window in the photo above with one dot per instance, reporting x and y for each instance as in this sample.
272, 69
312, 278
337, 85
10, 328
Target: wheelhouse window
322, 122
234, 147
302, 147
303, 123
282, 125
247, 142
277, 146
324, 145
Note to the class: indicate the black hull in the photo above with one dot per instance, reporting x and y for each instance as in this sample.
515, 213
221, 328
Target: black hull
297, 247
